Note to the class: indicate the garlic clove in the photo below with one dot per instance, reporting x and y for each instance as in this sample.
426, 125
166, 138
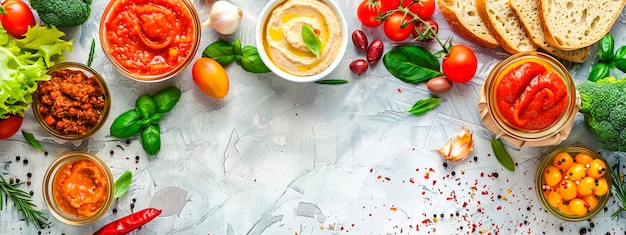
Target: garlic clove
458, 147
224, 17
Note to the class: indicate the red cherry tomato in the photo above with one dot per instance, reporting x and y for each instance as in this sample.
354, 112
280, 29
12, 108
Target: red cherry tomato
398, 26
9, 126
424, 9
368, 11
16, 16
419, 29
388, 5
460, 65
210, 77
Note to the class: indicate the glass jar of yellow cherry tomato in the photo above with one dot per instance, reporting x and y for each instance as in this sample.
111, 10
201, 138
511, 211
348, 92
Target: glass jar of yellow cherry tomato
573, 183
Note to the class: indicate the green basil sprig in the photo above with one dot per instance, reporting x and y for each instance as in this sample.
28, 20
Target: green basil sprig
311, 40
412, 64
422, 106
609, 59
148, 112
121, 184
225, 53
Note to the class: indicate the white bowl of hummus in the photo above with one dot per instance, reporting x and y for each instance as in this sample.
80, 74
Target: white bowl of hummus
281, 45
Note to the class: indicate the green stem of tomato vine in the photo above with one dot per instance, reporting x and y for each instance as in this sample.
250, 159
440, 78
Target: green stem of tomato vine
417, 19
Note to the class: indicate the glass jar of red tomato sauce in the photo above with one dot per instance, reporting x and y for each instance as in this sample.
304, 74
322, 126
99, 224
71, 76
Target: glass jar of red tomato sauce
530, 96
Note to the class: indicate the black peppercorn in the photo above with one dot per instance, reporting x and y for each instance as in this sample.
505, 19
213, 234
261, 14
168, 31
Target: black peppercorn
528, 208
17, 158
475, 158
495, 174
445, 164
111, 152
25, 161
32, 193
29, 174
453, 173
114, 210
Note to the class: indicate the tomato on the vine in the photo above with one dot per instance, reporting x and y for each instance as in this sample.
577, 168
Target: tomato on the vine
9, 126
16, 16
460, 64
398, 26
388, 5
424, 9
368, 12
419, 31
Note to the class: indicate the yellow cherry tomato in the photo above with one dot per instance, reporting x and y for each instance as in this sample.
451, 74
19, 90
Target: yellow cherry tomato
567, 189
563, 161
552, 176
592, 201
583, 158
576, 172
577, 206
596, 169
602, 187
553, 198
564, 207
210, 77
586, 186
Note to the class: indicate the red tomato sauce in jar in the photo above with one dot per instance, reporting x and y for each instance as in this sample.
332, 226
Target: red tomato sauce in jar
531, 96
80, 188
150, 37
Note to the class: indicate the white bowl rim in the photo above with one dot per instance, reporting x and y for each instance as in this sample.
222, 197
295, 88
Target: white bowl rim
281, 73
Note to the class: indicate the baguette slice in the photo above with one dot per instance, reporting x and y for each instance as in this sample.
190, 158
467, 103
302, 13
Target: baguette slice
463, 18
504, 25
526, 11
573, 24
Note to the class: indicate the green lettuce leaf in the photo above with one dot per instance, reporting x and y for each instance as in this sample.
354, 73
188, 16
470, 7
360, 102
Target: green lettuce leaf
24, 62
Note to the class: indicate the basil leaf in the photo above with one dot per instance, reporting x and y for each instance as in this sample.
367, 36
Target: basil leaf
621, 65
125, 125
32, 141
143, 123
237, 47
502, 155
607, 45
151, 139
251, 61
411, 64
620, 54
221, 51
422, 106
166, 99
599, 71
156, 118
122, 183
332, 81
145, 106
311, 40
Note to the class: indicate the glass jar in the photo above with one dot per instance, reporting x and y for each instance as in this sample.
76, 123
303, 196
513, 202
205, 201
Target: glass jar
515, 131
541, 190
78, 178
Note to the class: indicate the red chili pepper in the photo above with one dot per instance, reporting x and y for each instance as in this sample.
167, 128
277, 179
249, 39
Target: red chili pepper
129, 223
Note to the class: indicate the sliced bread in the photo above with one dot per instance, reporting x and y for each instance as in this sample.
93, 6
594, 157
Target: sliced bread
526, 11
504, 25
572, 24
463, 17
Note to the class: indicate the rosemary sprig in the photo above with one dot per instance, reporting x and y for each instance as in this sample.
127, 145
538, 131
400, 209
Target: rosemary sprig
23, 202
619, 190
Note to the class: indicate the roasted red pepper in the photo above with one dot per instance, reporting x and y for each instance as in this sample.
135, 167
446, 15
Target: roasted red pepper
129, 223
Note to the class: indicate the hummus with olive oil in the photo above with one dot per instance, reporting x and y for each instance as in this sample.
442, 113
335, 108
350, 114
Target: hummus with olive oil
283, 36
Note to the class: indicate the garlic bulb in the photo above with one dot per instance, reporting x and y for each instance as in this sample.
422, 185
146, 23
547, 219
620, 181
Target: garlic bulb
224, 17
459, 148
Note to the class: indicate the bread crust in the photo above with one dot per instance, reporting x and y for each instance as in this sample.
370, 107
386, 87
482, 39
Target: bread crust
553, 41
482, 12
457, 25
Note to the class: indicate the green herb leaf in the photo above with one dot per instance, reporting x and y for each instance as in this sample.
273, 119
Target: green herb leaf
332, 82
607, 45
237, 47
122, 183
146, 106
502, 155
151, 139
23, 202
156, 118
311, 40
167, 98
31, 140
411, 64
621, 65
620, 59
422, 106
251, 61
91, 52
599, 71
221, 51
126, 124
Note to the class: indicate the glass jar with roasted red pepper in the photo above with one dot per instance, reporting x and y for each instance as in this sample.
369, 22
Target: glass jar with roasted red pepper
530, 96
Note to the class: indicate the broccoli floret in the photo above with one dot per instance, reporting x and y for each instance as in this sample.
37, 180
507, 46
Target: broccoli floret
62, 13
603, 104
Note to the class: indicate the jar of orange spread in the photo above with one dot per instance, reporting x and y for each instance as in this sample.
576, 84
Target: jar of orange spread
78, 188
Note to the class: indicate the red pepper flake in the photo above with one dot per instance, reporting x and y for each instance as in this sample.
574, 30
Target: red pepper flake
371, 170
499, 208
387, 178
464, 204
426, 221
380, 176
341, 228
399, 90
485, 192
423, 192
434, 182
480, 210
411, 180
431, 169
393, 208
449, 199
